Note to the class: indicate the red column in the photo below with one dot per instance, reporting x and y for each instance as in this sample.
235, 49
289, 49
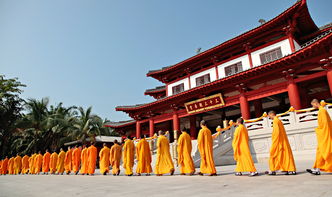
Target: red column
244, 105
294, 95
258, 108
176, 122
193, 132
291, 42
151, 125
138, 129
329, 79
250, 60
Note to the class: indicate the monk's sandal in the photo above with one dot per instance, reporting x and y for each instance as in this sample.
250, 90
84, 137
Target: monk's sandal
238, 174
314, 172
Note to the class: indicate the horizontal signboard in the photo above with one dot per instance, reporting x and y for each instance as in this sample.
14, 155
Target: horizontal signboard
206, 103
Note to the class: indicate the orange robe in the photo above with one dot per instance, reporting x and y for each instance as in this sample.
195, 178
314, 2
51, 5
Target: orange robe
104, 160
60, 166
53, 162
76, 159
115, 158
242, 156
92, 159
205, 147
25, 164
128, 156
17, 164
68, 159
4, 167
143, 156
38, 163
84, 161
281, 155
324, 141
46, 162
164, 163
184, 154
11, 166
31, 164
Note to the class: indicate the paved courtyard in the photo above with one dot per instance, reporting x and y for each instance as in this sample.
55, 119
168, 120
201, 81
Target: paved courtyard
225, 184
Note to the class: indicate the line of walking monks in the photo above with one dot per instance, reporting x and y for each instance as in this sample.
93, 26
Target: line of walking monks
84, 161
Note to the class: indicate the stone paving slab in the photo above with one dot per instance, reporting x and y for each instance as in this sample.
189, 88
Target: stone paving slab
225, 184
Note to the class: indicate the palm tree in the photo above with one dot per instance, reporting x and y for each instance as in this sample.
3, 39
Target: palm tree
87, 126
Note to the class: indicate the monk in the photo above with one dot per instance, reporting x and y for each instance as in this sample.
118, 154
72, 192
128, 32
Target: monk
17, 164
128, 155
53, 162
281, 155
143, 156
242, 156
324, 141
11, 166
92, 159
84, 161
68, 159
61, 162
4, 166
184, 154
164, 163
76, 159
46, 162
1, 161
104, 160
25, 164
205, 147
31, 164
115, 158
38, 163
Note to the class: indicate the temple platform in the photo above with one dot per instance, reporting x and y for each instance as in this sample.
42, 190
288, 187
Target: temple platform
225, 184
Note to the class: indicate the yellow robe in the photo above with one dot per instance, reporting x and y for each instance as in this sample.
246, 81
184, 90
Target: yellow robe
61, 162
324, 141
67, 161
104, 160
84, 161
128, 156
53, 162
143, 156
11, 166
281, 155
164, 163
205, 147
25, 164
92, 159
32, 164
17, 165
38, 163
4, 166
184, 154
242, 156
76, 159
115, 158
46, 162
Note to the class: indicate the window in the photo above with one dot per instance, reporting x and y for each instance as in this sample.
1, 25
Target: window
203, 80
270, 56
178, 88
233, 69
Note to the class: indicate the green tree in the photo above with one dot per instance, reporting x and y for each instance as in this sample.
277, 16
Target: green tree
10, 111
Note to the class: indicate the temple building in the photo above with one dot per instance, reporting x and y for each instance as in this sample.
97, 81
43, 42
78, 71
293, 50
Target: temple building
284, 62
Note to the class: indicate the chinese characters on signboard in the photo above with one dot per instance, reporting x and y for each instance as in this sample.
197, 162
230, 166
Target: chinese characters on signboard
206, 103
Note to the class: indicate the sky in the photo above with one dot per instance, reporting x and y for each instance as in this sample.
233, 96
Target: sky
97, 52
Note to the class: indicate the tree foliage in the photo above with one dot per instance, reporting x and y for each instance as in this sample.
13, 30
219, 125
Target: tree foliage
41, 126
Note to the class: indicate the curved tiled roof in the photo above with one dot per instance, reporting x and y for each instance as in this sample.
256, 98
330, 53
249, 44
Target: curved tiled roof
156, 89
243, 37
120, 124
